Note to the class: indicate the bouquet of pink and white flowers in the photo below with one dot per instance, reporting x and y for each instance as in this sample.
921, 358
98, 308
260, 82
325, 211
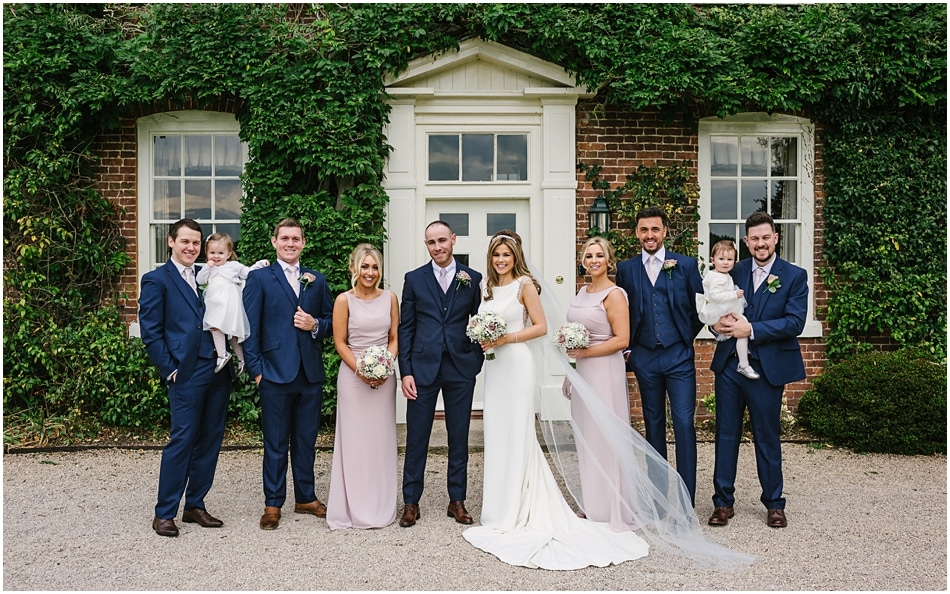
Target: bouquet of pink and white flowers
376, 363
486, 326
572, 335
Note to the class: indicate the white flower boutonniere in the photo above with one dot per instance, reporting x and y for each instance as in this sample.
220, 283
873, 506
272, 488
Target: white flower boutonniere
668, 266
462, 278
772, 283
306, 279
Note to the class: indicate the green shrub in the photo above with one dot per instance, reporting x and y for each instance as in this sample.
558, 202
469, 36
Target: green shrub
893, 402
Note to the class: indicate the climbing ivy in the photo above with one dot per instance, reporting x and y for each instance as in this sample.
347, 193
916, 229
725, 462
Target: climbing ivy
308, 83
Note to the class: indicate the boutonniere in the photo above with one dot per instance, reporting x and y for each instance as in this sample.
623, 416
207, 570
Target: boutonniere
772, 283
668, 266
462, 278
306, 279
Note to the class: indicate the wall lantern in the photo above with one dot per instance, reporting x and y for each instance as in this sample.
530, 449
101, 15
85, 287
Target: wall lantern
599, 216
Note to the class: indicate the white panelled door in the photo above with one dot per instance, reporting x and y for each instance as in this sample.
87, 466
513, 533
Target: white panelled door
474, 222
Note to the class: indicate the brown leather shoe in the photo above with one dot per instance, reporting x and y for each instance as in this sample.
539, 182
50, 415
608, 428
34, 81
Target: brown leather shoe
721, 516
201, 517
410, 514
457, 510
271, 518
775, 518
315, 508
164, 527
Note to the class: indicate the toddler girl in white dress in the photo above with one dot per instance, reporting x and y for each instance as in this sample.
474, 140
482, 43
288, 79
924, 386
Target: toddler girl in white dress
224, 308
721, 296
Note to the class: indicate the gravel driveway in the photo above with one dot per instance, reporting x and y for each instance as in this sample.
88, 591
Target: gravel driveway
82, 521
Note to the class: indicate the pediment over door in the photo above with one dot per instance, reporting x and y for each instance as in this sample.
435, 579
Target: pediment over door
483, 68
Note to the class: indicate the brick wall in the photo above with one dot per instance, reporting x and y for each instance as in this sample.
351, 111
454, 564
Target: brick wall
117, 181
620, 141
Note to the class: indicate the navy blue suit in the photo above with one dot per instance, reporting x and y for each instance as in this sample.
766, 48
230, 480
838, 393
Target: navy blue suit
777, 319
290, 363
170, 321
663, 326
434, 349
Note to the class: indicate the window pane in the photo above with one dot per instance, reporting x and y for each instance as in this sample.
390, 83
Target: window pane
721, 231
512, 157
444, 158
159, 241
463, 258
755, 154
228, 155
754, 196
725, 155
784, 200
166, 201
198, 198
166, 155
197, 155
234, 232
788, 242
725, 199
785, 156
458, 222
478, 151
496, 222
227, 199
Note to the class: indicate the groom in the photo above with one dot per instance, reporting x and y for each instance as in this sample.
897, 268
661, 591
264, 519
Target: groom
435, 355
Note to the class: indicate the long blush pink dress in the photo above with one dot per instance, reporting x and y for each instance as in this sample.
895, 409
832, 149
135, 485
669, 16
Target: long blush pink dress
363, 478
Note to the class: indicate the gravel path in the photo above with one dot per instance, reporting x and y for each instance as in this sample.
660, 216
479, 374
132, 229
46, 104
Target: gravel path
82, 521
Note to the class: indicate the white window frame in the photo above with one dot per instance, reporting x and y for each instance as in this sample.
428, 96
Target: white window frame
178, 122
762, 124
495, 134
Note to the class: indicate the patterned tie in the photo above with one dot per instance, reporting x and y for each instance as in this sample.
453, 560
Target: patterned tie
291, 273
653, 269
189, 274
759, 277
444, 279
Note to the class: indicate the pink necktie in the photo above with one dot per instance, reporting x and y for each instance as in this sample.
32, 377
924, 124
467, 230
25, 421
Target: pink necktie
759, 277
444, 279
190, 279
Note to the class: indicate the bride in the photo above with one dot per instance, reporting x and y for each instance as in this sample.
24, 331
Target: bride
525, 519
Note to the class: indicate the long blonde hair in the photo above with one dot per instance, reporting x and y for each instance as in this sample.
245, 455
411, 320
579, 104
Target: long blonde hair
511, 239
356, 259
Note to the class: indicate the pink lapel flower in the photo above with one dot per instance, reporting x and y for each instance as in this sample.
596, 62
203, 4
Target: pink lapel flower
462, 278
668, 266
772, 283
306, 279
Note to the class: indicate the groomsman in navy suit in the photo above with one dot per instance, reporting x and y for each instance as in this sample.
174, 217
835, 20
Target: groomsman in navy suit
290, 311
435, 355
777, 295
170, 319
662, 288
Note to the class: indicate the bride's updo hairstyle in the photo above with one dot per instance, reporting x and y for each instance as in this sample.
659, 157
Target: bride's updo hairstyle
512, 240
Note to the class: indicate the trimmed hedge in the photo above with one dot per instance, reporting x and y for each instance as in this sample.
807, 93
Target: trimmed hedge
891, 402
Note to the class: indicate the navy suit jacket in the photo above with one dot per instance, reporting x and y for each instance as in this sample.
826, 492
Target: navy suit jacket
426, 331
686, 282
777, 319
275, 348
170, 323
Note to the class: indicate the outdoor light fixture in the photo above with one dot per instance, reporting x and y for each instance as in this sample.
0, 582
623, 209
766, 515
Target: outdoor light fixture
599, 216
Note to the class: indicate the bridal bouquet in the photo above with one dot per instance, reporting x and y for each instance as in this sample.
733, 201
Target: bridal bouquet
486, 326
572, 335
376, 363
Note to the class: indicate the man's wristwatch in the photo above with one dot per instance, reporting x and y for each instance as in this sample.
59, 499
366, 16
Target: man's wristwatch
316, 324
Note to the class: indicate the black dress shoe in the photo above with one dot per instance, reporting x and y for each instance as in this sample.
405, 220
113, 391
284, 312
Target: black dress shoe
197, 515
457, 510
721, 516
409, 515
164, 527
775, 518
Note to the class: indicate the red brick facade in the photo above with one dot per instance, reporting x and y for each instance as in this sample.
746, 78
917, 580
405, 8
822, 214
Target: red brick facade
620, 141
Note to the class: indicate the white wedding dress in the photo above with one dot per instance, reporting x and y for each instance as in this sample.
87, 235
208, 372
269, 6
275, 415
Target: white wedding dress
525, 519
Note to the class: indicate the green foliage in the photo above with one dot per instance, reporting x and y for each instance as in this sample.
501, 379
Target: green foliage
887, 212
669, 188
308, 85
894, 402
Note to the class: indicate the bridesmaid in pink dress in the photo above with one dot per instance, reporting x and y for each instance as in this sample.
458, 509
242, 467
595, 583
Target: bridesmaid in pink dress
363, 478
602, 308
